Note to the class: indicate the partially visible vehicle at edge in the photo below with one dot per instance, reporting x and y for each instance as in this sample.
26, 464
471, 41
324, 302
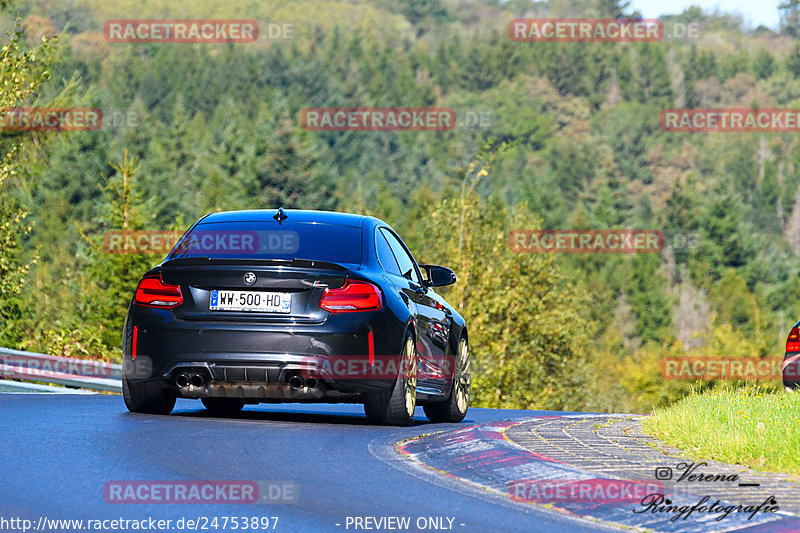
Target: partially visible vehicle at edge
296, 306
790, 369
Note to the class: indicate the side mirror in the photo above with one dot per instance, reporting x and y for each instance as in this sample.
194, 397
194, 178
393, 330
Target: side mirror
438, 276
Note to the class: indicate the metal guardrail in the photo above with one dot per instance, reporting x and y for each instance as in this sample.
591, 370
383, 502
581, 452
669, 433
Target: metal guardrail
66, 371
22, 386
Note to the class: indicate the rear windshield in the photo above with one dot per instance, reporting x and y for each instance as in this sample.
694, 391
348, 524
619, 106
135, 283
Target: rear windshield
268, 240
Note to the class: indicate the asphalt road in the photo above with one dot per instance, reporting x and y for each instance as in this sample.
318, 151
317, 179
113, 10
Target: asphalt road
57, 453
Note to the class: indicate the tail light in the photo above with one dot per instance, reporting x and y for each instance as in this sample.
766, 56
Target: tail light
352, 296
793, 340
152, 292
371, 344
135, 341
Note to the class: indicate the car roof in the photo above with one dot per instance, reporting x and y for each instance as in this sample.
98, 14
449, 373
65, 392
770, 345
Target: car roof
293, 215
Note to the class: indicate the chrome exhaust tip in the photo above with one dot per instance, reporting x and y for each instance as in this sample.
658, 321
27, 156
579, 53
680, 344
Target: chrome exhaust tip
295, 382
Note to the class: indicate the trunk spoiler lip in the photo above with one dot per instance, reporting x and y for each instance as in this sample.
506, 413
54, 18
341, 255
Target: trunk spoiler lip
293, 263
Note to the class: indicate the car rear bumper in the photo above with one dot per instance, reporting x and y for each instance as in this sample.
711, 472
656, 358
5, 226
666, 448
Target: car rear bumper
258, 362
790, 369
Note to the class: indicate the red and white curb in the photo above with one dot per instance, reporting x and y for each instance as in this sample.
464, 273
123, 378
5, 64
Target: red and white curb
482, 455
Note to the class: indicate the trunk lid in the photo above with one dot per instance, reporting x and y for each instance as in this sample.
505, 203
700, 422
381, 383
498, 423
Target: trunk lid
303, 281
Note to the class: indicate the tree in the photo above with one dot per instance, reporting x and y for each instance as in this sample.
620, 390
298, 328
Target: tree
726, 243
733, 301
792, 230
566, 68
700, 65
419, 11
763, 65
793, 61
13, 226
613, 8
649, 304
790, 18
284, 168
652, 82
692, 315
22, 71
526, 333
113, 276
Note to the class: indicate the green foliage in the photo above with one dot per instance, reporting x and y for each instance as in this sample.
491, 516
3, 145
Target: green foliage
22, 71
764, 65
651, 81
648, 302
747, 426
790, 17
112, 277
417, 10
577, 145
518, 307
793, 61
613, 8
13, 228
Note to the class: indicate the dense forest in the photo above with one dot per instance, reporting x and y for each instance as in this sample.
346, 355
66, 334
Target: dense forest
547, 135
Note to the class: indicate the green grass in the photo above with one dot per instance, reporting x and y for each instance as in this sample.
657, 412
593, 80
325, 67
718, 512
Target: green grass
747, 426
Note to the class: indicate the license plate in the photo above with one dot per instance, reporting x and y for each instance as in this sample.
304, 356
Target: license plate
251, 301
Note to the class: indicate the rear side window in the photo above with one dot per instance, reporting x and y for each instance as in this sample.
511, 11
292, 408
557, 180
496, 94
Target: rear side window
268, 240
404, 260
385, 254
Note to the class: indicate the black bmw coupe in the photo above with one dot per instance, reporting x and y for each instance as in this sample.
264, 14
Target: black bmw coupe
296, 306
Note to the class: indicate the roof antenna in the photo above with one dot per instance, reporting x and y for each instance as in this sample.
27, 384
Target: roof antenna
280, 216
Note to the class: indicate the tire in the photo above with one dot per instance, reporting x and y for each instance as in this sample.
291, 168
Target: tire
396, 407
223, 406
146, 398
454, 409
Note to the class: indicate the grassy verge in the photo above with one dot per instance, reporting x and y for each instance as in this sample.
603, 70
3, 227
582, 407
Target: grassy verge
746, 426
